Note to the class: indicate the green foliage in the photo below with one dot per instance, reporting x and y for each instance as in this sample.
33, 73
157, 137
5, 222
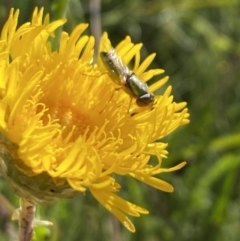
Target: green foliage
197, 43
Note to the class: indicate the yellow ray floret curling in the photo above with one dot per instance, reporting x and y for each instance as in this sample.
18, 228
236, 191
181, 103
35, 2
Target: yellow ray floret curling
66, 128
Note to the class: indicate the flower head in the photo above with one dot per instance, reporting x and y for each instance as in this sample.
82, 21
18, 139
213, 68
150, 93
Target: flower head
66, 127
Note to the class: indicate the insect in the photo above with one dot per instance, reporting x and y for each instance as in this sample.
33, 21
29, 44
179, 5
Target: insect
124, 77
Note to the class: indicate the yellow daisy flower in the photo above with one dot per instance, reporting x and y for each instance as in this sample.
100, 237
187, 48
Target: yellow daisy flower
66, 127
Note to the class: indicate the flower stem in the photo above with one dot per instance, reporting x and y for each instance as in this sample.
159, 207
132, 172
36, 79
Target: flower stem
26, 219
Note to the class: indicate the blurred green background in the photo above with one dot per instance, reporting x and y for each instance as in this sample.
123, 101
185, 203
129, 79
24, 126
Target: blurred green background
197, 43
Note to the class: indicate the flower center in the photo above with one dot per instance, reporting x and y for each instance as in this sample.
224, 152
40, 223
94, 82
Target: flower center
69, 117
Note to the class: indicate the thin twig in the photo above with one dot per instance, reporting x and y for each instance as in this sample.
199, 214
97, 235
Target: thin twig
95, 22
116, 234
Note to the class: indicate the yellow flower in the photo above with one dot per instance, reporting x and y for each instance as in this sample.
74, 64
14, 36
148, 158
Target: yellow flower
67, 128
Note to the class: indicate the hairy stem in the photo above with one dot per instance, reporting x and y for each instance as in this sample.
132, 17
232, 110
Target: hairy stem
26, 219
